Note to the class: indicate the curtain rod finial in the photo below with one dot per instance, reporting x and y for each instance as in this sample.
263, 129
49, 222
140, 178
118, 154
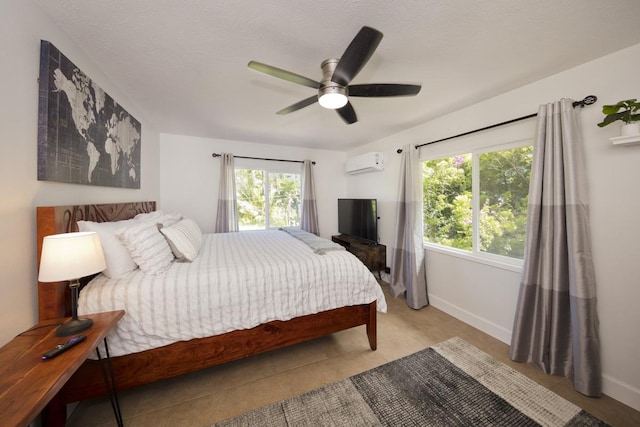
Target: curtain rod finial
399, 151
588, 100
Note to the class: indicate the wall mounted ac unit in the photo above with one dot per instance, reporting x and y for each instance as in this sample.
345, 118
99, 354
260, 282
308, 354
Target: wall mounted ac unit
368, 162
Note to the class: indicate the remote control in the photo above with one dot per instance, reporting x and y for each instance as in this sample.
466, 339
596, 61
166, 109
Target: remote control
63, 347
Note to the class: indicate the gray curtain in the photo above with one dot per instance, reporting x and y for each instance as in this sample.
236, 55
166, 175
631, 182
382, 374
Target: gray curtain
227, 219
556, 322
407, 256
309, 220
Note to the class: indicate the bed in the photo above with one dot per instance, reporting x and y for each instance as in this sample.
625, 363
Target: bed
153, 363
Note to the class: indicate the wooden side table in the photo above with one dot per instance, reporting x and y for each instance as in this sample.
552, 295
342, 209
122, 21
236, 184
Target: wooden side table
374, 256
28, 383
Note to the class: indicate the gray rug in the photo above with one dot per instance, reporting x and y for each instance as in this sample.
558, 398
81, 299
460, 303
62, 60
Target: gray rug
450, 384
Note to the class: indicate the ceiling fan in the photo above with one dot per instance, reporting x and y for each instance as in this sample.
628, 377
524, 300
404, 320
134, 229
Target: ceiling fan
334, 88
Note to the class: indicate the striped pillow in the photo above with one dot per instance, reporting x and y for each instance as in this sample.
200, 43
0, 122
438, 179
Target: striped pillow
147, 247
185, 239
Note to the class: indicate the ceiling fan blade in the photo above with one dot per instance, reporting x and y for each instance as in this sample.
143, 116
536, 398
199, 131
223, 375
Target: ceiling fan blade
356, 55
384, 89
298, 105
348, 114
283, 74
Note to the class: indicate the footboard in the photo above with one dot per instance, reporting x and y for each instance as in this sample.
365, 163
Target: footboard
188, 356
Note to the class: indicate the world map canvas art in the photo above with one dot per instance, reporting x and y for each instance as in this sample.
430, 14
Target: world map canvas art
84, 136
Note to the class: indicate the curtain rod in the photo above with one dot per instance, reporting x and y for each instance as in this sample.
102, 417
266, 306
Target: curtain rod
588, 100
264, 158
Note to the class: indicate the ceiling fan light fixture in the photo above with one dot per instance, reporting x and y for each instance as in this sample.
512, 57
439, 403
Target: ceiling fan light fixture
333, 101
332, 97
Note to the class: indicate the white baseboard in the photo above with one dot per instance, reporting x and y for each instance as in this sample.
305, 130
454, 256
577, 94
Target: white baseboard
621, 391
476, 321
612, 387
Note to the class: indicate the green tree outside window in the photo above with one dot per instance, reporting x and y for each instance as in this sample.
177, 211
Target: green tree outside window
448, 201
267, 199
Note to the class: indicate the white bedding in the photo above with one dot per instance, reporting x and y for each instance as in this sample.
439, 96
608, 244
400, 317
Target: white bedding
238, 281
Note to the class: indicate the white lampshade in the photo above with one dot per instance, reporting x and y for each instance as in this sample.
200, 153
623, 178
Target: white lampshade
70, 256
333, 101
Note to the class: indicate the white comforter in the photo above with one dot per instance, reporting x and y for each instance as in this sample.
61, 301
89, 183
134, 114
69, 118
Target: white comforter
238, 281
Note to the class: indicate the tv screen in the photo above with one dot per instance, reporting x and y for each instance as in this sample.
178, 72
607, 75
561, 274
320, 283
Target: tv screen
358, 218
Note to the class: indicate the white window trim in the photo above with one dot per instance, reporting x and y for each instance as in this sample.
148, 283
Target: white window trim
500, 261
505, 263
266, 189
269, 167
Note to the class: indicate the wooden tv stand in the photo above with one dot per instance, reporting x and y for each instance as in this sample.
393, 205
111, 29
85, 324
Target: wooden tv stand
373, 255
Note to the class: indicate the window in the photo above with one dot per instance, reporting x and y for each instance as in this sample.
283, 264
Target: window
477, 201
267, 199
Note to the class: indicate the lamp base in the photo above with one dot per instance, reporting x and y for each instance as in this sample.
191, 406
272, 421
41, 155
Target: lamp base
73, 326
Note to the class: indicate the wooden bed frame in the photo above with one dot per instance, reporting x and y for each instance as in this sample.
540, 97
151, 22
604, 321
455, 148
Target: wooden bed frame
184, 356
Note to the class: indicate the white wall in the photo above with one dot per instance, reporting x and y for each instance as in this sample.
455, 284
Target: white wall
22, 26
485, 296
190, 176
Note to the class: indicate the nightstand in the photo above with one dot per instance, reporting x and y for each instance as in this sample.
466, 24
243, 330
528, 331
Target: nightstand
28, 383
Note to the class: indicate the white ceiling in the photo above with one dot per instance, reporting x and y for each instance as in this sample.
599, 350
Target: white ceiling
184, 63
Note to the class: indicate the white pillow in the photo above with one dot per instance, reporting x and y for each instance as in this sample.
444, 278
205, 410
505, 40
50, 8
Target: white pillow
116, 255
147, 247
149, 216
185, 239
159, 217
169, 219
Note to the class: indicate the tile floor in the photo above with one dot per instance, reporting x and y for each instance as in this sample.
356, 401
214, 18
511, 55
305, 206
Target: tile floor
214, 394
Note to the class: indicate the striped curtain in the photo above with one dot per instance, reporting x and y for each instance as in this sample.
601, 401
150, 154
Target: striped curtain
309, 220
227, 219
408, 275
556, 322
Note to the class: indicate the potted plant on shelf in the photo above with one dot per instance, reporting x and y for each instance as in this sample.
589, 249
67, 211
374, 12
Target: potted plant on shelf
628, 111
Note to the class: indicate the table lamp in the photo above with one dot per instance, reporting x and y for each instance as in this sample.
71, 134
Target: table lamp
71, 256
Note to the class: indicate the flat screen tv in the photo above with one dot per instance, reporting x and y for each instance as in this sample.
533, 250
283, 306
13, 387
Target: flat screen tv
358, 218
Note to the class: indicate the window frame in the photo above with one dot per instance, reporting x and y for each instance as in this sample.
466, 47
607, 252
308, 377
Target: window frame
476, 255
271, 167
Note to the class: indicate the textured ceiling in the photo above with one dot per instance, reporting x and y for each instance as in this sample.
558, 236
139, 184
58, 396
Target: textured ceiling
184, 63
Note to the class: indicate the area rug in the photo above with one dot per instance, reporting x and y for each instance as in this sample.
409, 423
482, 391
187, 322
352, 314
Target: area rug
449, 384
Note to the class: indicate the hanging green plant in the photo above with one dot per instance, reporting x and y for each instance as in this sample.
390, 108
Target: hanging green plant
627, 111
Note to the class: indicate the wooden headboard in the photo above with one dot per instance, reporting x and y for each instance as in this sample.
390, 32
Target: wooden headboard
53, 299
